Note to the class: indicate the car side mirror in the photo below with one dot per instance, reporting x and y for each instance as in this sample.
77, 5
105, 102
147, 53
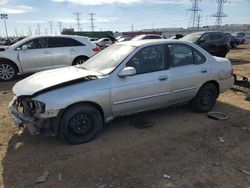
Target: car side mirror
18, 48
127, 71
24, 47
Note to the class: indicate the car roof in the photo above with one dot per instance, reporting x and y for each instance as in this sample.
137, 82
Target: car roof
26, 39
63, 36
153, 42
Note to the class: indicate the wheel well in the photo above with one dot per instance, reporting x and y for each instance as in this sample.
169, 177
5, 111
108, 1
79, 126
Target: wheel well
9, 61
97, 106
81, 56
215, 83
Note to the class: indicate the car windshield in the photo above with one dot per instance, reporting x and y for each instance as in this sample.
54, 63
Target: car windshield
107, 60
192, 37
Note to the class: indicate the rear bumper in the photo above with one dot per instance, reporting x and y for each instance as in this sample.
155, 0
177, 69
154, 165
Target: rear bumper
226, 84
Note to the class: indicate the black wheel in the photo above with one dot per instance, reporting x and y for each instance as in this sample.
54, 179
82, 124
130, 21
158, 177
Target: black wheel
205, 98
79, 60
223, 52
8, 71
80, 124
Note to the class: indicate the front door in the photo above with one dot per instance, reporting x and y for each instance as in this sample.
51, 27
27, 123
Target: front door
148, 89
35, 56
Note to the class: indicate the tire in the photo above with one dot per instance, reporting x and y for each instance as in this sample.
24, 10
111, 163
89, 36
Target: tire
205, 98
223, 52
79, 60
80, 123
8, 71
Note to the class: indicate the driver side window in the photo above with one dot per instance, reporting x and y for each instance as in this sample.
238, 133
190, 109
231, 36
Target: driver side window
37, 43
148, 59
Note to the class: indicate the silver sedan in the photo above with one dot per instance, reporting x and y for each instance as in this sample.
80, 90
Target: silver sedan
125, 78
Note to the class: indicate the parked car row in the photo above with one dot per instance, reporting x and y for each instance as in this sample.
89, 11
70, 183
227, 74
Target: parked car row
39, 53
216, 43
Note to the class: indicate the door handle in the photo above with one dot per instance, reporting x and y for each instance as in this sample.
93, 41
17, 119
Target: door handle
204, 71
46, 52
162, 78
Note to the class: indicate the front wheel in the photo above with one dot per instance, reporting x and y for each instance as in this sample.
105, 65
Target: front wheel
79, 60
7, 71
80, 124
205, 98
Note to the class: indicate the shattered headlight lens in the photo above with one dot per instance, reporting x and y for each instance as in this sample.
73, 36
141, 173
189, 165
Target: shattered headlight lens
31, 106
39, 106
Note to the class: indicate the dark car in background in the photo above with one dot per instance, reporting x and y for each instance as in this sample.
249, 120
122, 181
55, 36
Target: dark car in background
216, 43
241, 36
234, 41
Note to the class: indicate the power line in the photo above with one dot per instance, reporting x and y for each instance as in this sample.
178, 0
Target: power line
194, 11
220, 14
92, 21
78, 20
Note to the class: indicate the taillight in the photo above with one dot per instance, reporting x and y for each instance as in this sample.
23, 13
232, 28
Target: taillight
96, 49
232, 72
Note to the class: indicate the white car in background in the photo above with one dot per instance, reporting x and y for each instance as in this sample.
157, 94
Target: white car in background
103, 42
39, 53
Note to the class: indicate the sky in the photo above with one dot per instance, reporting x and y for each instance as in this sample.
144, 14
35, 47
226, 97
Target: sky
26, 16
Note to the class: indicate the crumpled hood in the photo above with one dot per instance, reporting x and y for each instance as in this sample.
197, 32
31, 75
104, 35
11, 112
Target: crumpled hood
47, 79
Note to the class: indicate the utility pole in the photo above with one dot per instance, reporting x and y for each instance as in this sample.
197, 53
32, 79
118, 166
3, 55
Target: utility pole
46, 31
219, 14
78, 20
38, 29
199, 21
30, 31
60, 27
16, 33
194, 11
51, 27
132, 27
5, 17
92, 19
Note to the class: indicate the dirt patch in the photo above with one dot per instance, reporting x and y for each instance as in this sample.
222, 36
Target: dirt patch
182, 149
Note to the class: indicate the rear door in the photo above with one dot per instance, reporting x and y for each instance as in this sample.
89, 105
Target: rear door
189, 70
37, 56
60, 52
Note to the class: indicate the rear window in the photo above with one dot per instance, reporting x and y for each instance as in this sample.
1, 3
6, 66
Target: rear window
56, 42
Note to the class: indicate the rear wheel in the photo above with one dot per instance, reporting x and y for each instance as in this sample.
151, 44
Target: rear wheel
205, 98
8, 71
80, 124
79, 60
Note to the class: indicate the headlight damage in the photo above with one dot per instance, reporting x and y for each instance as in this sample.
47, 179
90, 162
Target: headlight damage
30, 107
30, 113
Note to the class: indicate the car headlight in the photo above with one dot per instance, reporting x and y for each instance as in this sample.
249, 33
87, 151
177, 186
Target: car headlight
31, 106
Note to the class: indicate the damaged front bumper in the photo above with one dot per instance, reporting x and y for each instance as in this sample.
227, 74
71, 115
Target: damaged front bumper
36, 123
